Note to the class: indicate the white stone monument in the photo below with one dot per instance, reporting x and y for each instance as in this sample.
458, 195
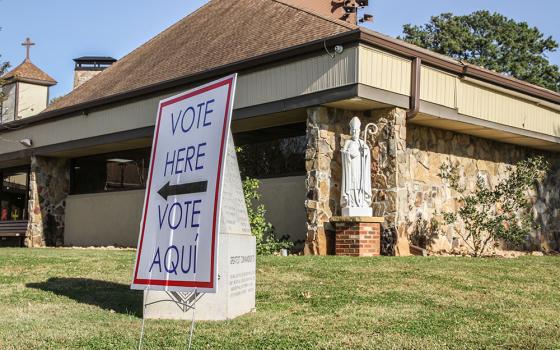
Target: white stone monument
356, 174
236, 263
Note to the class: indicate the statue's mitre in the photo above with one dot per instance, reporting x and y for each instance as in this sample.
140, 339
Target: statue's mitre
355, 123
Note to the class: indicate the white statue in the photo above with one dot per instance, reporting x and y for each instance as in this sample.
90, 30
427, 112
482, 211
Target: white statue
356, 174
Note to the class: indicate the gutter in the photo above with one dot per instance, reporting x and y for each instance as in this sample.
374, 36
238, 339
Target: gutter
410, 51
416, 54
161, 87
414, 88
510, 83
538, 102
30, 81
456, 67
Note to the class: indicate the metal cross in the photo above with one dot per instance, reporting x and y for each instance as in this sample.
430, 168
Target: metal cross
28, 45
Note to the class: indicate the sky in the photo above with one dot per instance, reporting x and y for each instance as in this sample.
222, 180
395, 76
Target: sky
64, 29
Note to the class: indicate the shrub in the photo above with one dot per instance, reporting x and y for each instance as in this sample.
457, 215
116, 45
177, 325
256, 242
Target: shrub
267, 243
502, 212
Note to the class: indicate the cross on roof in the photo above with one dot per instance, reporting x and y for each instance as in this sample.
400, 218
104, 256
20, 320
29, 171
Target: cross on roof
28, 45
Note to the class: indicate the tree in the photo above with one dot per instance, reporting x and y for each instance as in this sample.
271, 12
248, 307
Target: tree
55, 99
3, 67
502, 212
492, 41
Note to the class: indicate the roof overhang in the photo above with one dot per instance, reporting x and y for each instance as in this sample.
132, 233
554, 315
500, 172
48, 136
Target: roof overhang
16, 79
374, 39
453, 66
170, 85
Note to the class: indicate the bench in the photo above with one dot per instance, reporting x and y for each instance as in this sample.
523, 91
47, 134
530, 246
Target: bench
13, 231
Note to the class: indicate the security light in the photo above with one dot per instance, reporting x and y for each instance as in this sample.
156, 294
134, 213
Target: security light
350, 9
338, 49
362, 3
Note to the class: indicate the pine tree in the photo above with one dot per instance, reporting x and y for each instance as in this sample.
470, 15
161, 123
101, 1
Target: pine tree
492, 41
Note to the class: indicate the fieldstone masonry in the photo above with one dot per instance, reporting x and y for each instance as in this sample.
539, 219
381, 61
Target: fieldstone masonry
81, 76
407, 191
324, 171
427, 196
49, 184
406, 187
327, 131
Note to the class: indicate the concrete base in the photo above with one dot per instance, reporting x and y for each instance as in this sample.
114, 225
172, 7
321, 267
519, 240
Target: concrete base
236, 286
237, 254
357, 211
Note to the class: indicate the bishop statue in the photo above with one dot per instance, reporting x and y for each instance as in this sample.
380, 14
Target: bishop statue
356, 174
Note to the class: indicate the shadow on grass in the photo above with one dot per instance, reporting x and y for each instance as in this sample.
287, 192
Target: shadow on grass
106, 295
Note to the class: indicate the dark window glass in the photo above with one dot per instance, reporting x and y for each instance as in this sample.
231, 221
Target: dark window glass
119, 171
13, 196
272, 152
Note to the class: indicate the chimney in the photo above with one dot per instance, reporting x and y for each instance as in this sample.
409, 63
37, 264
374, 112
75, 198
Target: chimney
89, 66
330, 8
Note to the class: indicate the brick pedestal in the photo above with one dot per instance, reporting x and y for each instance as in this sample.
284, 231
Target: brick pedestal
357, 235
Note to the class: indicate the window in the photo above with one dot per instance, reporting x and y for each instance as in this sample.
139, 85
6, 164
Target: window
118, 171
14, 194
272, 152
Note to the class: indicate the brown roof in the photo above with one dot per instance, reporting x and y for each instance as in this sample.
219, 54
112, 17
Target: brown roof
219, 33
223, 33
29, 72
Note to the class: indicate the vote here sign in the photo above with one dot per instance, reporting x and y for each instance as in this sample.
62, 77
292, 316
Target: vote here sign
177, 247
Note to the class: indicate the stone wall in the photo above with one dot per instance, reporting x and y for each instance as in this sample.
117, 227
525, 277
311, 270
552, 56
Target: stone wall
427, 196
81, 76
327, 131
406, 187
320, 153
49, 185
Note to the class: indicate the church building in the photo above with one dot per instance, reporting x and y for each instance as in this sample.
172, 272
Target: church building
25, 90
305, 70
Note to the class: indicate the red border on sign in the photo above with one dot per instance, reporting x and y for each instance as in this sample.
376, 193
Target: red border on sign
194, 284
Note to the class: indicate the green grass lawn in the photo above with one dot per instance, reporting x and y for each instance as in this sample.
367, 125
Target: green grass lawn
80, 299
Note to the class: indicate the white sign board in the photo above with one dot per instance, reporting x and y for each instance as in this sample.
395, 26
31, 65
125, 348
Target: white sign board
178, 243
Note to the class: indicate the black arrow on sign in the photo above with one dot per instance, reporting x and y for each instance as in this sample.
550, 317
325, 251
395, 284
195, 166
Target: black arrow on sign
175, 190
